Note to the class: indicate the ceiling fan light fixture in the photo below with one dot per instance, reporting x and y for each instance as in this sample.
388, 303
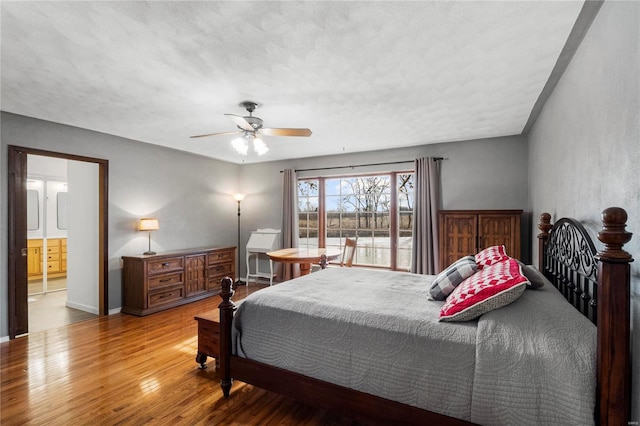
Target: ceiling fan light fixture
259, 146
251, 128
241, 145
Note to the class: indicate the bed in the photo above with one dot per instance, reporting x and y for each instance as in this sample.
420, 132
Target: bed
369, 345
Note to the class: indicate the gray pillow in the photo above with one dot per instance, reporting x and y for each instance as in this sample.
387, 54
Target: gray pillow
535, 277
447, 280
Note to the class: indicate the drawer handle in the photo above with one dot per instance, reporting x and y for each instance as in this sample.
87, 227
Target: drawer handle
165, 295
165, 264
166, 280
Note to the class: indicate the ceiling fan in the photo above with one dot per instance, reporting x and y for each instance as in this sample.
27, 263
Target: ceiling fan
250, 128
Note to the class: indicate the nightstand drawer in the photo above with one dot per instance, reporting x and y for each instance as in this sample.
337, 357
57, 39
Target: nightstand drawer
208, 337
161, 281
165, 265
168, 295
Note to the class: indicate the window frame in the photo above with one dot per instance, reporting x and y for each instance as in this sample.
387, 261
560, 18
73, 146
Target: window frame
394, 212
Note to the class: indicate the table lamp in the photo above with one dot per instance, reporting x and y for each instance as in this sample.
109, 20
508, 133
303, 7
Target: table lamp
149, 224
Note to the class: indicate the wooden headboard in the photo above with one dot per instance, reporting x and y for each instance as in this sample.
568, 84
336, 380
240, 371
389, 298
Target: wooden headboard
598, 285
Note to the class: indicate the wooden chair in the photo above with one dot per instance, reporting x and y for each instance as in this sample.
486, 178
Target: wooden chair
349, 252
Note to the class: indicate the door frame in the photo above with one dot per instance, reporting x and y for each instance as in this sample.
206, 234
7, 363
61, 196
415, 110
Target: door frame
17, 215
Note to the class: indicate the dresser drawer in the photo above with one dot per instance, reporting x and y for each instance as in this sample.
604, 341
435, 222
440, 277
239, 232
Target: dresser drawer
161, 266
168, 295
161, 281
53, 266
222, 269
222, 256
53, 249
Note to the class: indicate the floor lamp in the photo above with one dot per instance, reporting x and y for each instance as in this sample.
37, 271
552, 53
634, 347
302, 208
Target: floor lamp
238, 197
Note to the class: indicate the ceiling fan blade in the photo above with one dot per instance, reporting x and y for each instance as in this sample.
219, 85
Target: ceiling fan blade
241, 122
217, 134
285, 132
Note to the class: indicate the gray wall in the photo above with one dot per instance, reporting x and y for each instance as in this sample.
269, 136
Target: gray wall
191, 195
585, 147
482, 174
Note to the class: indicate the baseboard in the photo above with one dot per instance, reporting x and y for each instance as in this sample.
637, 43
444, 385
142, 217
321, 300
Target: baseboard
85, 308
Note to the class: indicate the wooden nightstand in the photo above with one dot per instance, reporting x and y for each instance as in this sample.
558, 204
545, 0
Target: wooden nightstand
208, 337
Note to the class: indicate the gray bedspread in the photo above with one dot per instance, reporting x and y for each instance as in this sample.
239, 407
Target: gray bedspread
536, 363
376, 332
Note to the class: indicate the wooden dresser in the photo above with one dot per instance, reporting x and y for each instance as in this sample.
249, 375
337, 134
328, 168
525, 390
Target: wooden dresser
153, 283
465, 232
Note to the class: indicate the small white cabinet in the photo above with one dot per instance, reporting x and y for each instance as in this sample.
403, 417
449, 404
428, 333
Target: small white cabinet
261, 241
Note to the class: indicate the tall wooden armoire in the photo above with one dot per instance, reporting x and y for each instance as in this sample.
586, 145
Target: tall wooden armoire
466, 232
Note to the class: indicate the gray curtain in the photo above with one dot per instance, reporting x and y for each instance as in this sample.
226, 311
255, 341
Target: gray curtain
289, 220
424, 258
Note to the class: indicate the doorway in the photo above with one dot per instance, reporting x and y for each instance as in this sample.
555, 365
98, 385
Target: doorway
22, 235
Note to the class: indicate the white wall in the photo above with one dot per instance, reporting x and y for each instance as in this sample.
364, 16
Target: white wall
584, 151
83, 237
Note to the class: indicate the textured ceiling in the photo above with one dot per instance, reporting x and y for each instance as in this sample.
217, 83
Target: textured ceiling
361, 75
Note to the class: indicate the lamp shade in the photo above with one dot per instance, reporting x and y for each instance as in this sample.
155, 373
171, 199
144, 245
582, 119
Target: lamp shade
149, 224
238, 197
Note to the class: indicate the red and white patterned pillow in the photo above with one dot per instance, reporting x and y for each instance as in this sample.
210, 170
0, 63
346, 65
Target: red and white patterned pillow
491, 288
490, 256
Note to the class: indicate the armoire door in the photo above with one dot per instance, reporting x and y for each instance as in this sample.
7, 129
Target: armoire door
457, 236
499, 229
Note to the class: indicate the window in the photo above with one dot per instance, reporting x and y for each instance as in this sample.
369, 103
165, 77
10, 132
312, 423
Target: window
308, 212
405, 220
375, 208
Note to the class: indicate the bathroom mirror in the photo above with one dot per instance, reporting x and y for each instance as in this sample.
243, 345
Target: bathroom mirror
62, 210
33, 209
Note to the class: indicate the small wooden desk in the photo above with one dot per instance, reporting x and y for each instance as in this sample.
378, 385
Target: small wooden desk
304, 257
208, 337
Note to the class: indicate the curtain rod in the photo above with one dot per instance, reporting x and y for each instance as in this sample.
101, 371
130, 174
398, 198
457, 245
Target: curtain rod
361, 165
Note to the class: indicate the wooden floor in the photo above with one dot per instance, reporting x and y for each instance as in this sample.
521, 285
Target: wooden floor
127, 370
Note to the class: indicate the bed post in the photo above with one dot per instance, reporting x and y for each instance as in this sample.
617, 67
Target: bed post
226, 317
613, 389
543, 237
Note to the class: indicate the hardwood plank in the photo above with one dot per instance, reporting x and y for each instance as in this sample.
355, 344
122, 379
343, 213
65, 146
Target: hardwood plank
128, 370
